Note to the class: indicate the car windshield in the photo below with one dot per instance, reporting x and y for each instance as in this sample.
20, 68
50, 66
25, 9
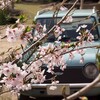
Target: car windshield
70, 28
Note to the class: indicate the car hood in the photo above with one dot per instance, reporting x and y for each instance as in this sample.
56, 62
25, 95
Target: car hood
89, 56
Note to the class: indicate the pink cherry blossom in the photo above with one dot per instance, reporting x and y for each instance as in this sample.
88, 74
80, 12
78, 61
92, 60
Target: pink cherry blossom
63, 8
81, 51
39, 31
13, 75
53, 87
55, 82
79, 37
2, 5
18, 56
14, 33
50, 68
90, 37
58, 30
82, 26
63, 67
71, 56
10, 35
68, 19
18, 21
82, 60
39, 77
44, 28
5, 4
39, 28
45, 49
78, 29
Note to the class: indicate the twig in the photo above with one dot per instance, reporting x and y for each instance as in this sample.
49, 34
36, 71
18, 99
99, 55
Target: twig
5, 92
94, 26
1, 28
96, 46
85, 89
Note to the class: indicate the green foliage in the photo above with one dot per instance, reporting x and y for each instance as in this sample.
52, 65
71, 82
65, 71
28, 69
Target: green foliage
50, 0
3, 16
22, 18
18, 1
34, 22
27, 29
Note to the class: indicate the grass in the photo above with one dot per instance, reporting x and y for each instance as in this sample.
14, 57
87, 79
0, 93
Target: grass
29, 9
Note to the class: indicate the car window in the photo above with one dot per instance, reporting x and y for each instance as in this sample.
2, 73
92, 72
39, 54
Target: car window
70, 28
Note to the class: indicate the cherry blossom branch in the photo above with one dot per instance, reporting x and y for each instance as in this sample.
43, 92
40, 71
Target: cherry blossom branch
31, 54
40, 41
84, 18
94, 26
72, 50
2, 53
96, 46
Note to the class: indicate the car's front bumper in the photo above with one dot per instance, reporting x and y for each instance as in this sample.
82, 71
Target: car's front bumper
41, 90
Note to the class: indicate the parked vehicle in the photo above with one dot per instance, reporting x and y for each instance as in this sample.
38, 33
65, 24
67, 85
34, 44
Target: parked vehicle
76, 75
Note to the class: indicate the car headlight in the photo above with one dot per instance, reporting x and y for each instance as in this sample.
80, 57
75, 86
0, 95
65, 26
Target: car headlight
91, 71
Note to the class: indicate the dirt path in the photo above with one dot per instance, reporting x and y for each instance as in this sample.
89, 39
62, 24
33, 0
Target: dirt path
8, 95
